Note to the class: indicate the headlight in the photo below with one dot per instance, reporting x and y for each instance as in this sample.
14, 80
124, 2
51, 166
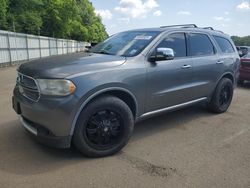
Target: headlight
56, 87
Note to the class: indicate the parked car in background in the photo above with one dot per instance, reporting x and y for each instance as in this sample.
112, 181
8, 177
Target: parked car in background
244, 69
243, 50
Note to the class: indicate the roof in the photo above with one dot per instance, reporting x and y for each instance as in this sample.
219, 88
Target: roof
184, 27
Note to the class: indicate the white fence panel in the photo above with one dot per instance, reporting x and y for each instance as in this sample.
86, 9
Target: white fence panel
33, 42
53, 46
44, 42
45, 52
34, 53
4, 41
4, 56
59, 46
15, 47
65, 50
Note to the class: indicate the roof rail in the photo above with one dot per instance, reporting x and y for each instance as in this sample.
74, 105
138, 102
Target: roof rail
208, 28
182, 26
191, 26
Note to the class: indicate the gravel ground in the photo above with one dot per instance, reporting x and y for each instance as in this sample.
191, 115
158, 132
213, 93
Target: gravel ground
187, 148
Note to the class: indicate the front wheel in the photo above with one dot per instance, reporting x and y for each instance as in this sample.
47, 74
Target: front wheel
104, 127
222, 96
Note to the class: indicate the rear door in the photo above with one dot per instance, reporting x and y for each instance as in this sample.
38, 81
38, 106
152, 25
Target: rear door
229, 57
207, 66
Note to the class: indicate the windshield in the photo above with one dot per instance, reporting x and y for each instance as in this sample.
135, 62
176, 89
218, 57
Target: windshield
127, 44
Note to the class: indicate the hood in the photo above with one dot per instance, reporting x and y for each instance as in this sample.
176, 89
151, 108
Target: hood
65, 65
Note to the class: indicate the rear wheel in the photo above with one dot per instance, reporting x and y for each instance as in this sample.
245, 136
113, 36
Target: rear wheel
222, 96
104, 127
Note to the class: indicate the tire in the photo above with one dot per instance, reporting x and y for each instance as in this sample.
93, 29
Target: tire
222, 96
240, 82
104, 127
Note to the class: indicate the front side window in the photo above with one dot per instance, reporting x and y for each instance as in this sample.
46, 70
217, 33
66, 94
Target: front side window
200, 45
224, 44
177, 42
127, 44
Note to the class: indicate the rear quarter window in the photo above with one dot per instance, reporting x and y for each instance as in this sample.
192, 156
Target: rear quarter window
224, 44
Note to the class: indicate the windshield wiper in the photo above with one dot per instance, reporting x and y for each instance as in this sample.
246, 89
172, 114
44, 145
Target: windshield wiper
103, 52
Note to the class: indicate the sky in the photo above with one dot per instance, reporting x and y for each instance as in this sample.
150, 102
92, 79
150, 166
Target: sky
229, 16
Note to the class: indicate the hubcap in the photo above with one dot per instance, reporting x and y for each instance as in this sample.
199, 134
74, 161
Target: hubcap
104, 129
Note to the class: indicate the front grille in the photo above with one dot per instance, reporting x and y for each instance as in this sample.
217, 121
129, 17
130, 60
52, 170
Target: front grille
28, 87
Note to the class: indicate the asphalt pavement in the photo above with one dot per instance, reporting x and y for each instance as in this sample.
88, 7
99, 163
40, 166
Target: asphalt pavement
187, 148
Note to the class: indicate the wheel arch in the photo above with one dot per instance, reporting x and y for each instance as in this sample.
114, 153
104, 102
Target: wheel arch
121, 93
229, 76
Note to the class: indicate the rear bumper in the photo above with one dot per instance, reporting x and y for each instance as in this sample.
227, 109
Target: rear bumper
43, 136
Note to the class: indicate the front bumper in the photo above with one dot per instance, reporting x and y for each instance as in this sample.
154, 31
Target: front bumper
44, 137
49, 119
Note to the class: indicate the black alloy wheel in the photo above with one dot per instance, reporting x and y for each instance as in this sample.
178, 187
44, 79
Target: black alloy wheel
225, 95
222, 96
104, 129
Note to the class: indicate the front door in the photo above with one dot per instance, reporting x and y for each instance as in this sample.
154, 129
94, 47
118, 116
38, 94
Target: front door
170, 81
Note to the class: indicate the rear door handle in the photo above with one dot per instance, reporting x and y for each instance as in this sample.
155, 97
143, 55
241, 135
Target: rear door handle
220, 62
186, 66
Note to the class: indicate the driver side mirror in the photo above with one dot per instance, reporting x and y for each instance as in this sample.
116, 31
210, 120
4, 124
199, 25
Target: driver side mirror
162, 54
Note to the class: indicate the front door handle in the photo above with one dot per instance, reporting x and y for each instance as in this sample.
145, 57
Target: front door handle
220, 62
186, 66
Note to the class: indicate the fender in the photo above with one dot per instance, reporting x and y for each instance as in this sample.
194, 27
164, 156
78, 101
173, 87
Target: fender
231, 73
73, 124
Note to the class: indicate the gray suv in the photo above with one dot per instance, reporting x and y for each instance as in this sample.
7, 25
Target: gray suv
94, 99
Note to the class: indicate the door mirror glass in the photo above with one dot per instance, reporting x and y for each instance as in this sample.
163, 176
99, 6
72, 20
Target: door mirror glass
162, 54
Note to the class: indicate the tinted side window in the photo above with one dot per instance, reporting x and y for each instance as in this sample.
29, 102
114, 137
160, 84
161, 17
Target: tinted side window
224, 44
200, 44
177, 42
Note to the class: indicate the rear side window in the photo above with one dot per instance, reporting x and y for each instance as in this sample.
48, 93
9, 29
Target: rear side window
200, 45
177, 42
224, 44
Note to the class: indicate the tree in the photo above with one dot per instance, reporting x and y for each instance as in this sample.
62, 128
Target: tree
70, 19
89, 19
3, 13
74, 19
58, 16
241, 41
78, 31
25, 16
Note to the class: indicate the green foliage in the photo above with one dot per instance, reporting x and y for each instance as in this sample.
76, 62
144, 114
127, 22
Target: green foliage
71, 19
241, 41
3, 13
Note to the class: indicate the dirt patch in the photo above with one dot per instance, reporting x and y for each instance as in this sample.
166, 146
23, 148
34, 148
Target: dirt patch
147, 167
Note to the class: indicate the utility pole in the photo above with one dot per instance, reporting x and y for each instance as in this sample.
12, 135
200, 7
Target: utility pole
13, 25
